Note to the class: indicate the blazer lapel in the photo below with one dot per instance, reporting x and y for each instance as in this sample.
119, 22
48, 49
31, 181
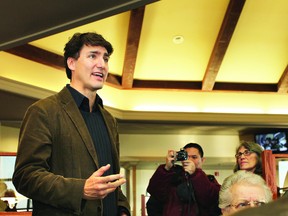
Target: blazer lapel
73, 112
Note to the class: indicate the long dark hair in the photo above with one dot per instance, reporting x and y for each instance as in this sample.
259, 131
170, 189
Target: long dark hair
254, 147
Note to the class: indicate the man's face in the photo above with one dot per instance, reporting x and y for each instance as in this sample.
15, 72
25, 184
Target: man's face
244, 196
194, 155
90, 70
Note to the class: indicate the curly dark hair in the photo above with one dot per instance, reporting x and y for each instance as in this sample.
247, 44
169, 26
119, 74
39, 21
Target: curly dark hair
254, 147
75, 44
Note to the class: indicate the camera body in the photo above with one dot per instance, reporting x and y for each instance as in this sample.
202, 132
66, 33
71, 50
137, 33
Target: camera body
181, 155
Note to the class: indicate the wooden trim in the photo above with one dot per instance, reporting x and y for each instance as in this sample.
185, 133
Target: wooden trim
222, 42
143, 205
16, 213
39, 55
128, 184
133, 40
283, 82
134, 189
8, 153
269, 169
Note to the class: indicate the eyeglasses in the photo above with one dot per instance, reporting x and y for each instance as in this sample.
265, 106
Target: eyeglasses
247, 204
245, 153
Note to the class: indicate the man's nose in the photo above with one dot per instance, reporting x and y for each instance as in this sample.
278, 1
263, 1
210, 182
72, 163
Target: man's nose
100, 62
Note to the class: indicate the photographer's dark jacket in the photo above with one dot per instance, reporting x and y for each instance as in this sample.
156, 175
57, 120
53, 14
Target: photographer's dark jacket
56, 155
170, 188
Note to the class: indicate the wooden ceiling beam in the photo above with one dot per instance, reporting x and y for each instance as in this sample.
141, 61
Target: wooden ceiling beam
222, 42
114, 81
50, 59
134, 33
38, 55
168, 85
245, 87
283, 82
56, 61
196, 86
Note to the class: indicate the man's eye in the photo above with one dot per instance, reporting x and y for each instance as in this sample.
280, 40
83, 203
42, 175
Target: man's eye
106, 59
92, 56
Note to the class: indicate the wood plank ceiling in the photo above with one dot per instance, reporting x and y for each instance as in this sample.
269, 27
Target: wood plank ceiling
127, 79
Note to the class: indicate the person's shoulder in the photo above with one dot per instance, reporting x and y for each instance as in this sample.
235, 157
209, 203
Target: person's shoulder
50, 100
211, 177
49, 103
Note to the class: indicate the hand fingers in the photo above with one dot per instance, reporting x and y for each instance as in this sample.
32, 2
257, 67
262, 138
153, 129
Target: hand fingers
116, 183
98, 187
101, 171
171, 153
105, 188
110, 178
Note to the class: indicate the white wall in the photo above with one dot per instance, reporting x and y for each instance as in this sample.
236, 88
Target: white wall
8, 139
158, 145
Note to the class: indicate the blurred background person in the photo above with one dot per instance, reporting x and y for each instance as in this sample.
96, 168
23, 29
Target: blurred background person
3, 188
10, 200
248, 157
185, 190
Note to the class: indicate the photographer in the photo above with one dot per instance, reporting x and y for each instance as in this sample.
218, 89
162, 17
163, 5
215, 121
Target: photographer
185, 190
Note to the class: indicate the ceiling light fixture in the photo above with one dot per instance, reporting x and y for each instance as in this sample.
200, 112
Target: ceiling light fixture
178, 39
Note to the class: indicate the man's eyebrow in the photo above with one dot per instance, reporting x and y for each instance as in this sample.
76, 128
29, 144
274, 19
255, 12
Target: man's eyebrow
97, 52
94, 51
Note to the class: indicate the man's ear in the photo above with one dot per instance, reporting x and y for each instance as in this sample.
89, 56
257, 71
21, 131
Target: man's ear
203, 159
71, 63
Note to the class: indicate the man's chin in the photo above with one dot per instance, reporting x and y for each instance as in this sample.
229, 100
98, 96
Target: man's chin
98, 87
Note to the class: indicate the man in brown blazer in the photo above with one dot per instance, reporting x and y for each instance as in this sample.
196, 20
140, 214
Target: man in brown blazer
68, 154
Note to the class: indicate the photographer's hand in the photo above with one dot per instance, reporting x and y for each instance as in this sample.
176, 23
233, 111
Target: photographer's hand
170, 160
189, 166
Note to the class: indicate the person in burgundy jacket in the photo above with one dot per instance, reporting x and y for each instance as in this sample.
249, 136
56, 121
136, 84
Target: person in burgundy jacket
185, 190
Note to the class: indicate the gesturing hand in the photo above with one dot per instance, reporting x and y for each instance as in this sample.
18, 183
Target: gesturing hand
98, 186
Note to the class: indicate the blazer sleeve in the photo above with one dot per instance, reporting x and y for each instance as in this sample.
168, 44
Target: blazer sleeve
32, 176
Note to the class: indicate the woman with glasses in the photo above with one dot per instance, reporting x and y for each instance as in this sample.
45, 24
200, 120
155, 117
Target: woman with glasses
242, 190
248, 157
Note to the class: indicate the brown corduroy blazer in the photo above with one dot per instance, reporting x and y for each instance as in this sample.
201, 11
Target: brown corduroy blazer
56, 155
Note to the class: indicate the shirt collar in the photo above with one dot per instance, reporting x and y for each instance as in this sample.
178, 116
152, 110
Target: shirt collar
82, 101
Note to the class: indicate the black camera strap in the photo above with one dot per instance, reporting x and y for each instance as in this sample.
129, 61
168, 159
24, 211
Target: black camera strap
192, 198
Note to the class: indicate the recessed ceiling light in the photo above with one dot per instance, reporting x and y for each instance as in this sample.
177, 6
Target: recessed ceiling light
178, 39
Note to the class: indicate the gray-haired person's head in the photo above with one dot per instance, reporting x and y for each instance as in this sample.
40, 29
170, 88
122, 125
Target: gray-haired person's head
245, 178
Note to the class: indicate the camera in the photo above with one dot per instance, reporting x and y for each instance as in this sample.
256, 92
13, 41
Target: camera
181, 155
